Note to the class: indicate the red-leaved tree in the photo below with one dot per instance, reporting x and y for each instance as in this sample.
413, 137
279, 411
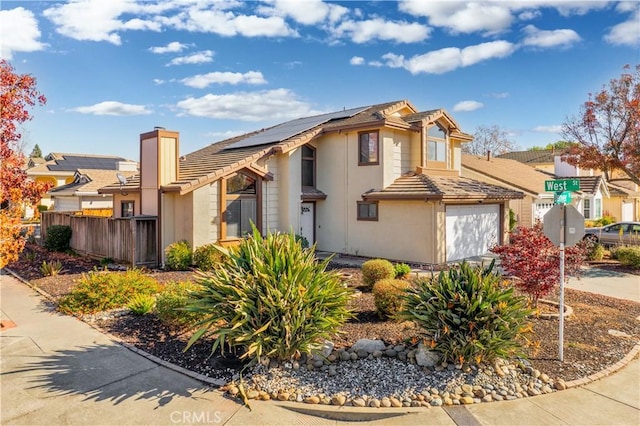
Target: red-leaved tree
535, 261
607, 130
17, 93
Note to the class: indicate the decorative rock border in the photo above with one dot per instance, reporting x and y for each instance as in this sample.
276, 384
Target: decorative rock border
421, 400
568, 310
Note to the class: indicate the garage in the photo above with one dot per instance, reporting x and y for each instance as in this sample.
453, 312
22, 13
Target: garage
66, 204
471, 230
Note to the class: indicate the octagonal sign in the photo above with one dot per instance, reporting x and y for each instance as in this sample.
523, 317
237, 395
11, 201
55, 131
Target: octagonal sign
573, 224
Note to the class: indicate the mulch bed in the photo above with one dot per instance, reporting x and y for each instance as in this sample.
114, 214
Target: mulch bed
589, 347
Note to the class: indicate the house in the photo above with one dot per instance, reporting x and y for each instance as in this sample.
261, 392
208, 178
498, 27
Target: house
620, 199
60, 169
82, 193
513, 175
376, 181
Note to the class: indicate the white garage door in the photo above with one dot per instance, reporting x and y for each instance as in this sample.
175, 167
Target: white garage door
471, 230
66, 204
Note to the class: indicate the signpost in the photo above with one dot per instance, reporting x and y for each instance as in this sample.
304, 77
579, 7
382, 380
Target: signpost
564, 226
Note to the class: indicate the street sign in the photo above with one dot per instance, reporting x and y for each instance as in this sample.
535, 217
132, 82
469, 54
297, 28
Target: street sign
567, 217
561, 185
562, 198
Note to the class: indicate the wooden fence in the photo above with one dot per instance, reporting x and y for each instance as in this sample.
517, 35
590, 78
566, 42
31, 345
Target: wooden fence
131, 240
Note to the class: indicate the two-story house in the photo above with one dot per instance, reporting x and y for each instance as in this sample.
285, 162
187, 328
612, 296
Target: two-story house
376, 181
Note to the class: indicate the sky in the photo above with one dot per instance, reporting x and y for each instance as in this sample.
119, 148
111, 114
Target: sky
209, 69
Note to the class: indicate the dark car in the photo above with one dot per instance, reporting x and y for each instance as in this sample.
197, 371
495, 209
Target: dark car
619, 233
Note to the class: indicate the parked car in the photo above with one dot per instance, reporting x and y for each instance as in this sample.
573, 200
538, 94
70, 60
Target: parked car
619, 233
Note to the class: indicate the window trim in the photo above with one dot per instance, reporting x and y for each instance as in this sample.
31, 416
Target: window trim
369, 163
133, 208
437, 140
224, 197
368, 218
313, 161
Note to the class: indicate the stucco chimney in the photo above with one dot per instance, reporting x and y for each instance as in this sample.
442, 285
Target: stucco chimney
159, 165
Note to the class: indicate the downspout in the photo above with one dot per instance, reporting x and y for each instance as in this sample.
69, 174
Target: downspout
346, 192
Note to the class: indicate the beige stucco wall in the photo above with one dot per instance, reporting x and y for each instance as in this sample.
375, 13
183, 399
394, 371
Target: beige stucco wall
97, 202
118, 198
149, 176
289, 167
179, 209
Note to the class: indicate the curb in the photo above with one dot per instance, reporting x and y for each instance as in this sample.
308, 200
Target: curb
301, 407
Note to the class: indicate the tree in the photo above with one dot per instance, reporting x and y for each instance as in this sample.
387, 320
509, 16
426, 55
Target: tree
17, 93
535, 260
558, 146
489, 138
607, 129
36, 152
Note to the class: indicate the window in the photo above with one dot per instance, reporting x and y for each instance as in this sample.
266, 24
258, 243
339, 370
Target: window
241, 205
126, 209
598, 208
367, 210
308, 166
586, 209
436, 143
368, 149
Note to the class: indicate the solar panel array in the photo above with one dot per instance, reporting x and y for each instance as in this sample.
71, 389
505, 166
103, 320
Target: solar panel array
291, 128
72, 163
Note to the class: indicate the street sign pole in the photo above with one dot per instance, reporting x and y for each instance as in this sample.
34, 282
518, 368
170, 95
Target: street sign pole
561, 302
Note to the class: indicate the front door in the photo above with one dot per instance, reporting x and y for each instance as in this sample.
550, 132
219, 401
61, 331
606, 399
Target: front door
307, 222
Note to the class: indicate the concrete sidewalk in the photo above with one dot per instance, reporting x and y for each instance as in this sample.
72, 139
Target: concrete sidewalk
58, 370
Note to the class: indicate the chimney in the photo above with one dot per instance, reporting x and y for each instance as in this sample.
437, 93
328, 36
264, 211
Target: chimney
488, 155
159, 150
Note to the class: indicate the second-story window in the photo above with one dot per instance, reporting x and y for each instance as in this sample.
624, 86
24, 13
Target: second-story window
368, 148
436, 143
308, 166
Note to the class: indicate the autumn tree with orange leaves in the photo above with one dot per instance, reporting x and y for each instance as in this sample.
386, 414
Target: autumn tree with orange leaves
17, 93
607, 129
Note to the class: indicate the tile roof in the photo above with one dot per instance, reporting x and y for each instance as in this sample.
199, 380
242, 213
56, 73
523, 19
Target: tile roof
511, 172
96, 180
538, 156
621, 189
413, 186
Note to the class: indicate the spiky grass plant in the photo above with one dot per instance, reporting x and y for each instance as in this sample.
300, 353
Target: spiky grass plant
270, 298
468, 314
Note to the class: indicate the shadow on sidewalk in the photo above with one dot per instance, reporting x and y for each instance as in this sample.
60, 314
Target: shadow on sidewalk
106, 373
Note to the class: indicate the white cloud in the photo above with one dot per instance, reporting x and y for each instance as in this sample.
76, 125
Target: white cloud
308, 12
548, 129
113, 108
173, 47
628, 32
90, 19
393, 61
467, 106
462, 17
379, 29
220, 136
158, 81
451, 58
202, 57
356, 60
201, 81
500, 95
18, 32
554, 38
271, 105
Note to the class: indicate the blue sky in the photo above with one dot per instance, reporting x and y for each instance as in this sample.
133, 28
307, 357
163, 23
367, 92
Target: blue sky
112, 69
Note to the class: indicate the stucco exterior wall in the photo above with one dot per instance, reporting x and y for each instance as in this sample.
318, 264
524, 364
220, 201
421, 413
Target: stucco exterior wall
201, 216
271, 197
149, 176
96, 202
119, 198
178, 209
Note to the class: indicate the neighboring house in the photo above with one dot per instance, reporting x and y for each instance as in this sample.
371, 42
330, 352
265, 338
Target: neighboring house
82, 193
375, 181
513, 175
597, 197
59, 169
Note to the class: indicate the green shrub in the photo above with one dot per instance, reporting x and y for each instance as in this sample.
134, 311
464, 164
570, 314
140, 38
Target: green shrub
51, 269
178, 256
596, 252
58, 238
302, 240
388, 296
207, 257
106, 261
468, 315
141, 304
402, 270
605, 220
99, 291
270, 298
376, 270
629, 256
42, 208
171, 302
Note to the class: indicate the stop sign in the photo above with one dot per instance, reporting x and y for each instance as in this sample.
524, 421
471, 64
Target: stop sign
573, 224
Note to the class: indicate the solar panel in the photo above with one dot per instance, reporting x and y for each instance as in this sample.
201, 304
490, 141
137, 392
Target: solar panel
291, 128
71, 163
